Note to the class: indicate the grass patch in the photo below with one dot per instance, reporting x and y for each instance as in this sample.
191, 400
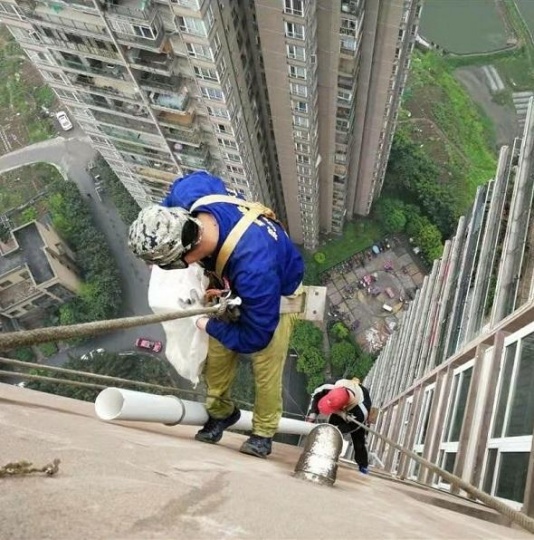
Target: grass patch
467, 133
19, 186
22, 96
358, 235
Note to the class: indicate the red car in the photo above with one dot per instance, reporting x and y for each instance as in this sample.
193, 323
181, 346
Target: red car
149, 344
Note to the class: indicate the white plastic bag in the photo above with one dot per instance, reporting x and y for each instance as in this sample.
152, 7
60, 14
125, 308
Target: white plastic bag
187, 346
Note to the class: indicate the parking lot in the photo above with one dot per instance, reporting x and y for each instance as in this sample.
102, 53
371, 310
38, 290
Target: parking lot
370, 291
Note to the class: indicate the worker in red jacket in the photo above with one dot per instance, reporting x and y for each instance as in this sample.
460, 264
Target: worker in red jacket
344, 401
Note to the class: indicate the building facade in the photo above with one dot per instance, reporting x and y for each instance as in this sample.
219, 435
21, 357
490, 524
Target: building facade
37, 271
456, 382
291, 102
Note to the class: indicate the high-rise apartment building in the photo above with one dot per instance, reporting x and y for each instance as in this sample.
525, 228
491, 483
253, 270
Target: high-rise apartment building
456, 382
291, 102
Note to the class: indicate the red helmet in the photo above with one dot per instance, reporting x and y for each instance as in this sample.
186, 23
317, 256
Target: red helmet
336, 400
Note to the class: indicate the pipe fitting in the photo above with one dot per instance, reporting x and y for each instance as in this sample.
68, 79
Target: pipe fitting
319, 459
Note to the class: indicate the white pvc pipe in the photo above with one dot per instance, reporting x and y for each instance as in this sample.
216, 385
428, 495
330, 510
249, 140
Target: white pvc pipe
120, 404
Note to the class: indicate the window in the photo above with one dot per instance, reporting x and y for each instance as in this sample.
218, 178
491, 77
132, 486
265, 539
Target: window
8, 9
301, 121
189, 25
226, 143
299, 106
301, 169
348, 27
235, 169
344, 95
302, 147
212, 93
294, 31
144, 31
223, 128
5, 283
193, 4
299, 134
303, 159
199, 51
206, 73
348, 44
294, 7
219, 112
232, 157
297, 72
296, 53
298, 89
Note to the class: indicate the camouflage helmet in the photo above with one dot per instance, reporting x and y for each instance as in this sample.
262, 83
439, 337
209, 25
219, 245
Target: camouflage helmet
156, 236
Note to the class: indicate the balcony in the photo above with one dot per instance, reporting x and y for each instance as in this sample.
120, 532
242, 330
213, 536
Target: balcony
83, 23
125, 108
117, 120
154, 142
133, 10
96, 67
143, 152
351, 7
186, 136
190, 156
72, 46
87, 83
174, 102
340, 170
173, 84
151, 62
164, 176
346, 82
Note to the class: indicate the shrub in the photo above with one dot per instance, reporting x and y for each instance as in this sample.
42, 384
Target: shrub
319, 257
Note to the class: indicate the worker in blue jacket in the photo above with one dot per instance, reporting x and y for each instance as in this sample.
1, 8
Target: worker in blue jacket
263, 267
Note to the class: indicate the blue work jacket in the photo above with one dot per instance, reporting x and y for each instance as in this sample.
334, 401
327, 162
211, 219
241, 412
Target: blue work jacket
264, 266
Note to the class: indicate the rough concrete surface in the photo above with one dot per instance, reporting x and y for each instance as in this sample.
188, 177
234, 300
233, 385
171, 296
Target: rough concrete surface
126, 481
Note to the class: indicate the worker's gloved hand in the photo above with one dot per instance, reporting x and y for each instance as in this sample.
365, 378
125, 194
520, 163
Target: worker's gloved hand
227, 302
312, 417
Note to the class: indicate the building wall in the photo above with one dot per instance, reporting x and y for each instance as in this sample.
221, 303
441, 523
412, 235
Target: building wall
19, 292
466, 345
388, 38
61, 259
299, 120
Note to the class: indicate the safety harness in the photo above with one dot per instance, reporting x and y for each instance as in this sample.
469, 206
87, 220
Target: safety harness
252, 211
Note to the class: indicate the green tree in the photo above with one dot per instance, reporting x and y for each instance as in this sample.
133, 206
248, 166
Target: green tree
339, 331
5, 232
100, 295
307, 340
342, 356
390, 213
127, 207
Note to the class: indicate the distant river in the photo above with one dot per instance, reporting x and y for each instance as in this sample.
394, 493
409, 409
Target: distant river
465, 26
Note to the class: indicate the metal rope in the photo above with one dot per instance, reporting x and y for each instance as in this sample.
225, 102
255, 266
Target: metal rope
517, 517
111, 380
11, 340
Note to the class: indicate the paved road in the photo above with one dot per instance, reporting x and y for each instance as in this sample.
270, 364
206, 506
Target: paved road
72, 155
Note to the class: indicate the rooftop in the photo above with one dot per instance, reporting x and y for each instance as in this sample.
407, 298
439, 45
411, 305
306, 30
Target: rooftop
150, 481
30, 252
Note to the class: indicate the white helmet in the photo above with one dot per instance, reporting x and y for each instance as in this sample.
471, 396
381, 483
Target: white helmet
162, 235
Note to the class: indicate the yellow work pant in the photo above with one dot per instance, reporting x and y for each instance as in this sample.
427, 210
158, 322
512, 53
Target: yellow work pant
267, 365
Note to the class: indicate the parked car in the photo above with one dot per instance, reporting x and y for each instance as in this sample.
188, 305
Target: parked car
64, 120
149, 344
90, 354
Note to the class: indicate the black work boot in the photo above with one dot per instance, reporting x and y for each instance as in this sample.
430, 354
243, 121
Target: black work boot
213, 429
257, 446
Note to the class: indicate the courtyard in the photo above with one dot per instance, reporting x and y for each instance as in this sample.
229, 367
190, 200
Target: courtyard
369, 291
